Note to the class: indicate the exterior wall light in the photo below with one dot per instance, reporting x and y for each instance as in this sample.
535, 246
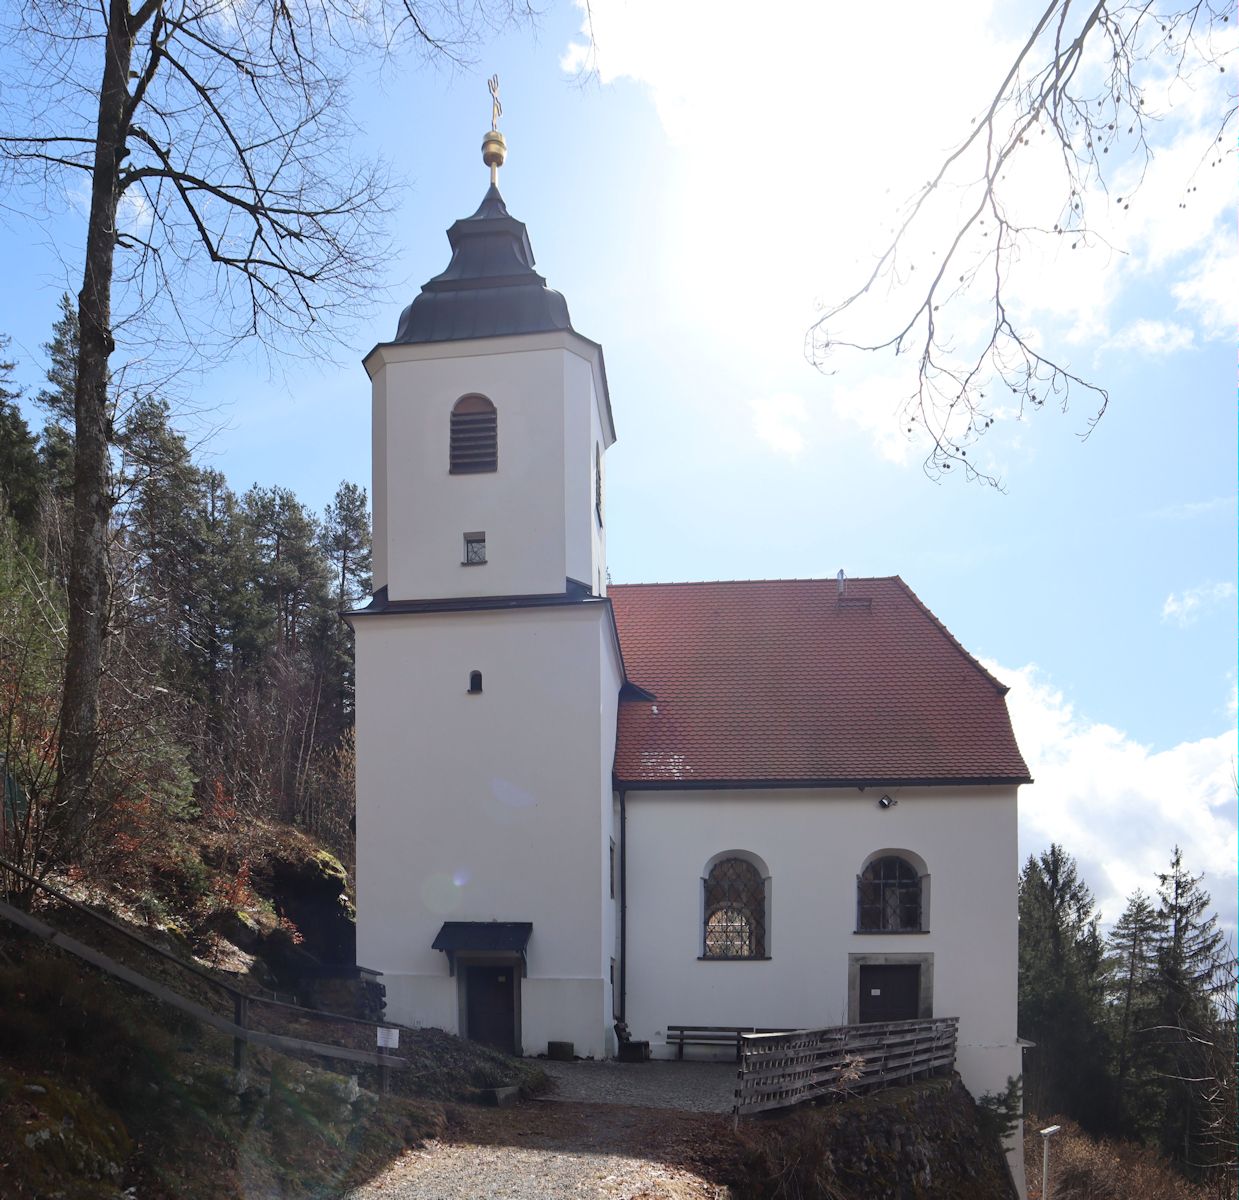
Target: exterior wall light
1046, 1134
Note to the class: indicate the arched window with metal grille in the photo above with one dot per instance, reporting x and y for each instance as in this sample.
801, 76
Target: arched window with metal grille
735, 910
888, 896
474, 436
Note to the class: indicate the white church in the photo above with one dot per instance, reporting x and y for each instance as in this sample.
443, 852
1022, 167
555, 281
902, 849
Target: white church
778, 804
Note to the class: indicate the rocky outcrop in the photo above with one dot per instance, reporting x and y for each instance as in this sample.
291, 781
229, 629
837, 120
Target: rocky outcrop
290, 911
312, 892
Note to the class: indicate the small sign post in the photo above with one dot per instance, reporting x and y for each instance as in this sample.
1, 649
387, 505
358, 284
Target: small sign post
387, 1039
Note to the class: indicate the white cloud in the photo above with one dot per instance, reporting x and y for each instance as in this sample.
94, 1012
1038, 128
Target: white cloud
1154, 338
1207, 291
794, 154
1118, 806
1198, 508
779, 422
872, 403
1185, 607
135, 214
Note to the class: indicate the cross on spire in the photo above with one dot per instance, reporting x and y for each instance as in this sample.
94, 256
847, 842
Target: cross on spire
494, 148
496, 108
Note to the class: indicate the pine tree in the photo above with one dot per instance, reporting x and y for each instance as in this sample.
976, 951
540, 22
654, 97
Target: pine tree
56, 461
56, 439
346, 546
243, 624
20, 471
61, 351
158, 521
1061, 991
346, 542
282, 679
292, 572
1191, 950
1194, 967
30, 620
1132, 948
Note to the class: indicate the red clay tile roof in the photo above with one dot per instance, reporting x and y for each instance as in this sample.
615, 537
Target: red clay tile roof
779, 681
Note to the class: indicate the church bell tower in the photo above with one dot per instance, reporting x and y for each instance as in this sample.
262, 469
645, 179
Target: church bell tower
488, 670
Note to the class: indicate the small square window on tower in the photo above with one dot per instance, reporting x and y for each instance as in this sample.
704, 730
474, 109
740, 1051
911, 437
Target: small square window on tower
475, 549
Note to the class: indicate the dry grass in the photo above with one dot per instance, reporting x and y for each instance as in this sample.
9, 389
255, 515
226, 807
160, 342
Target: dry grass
921, 1142
1085, 1168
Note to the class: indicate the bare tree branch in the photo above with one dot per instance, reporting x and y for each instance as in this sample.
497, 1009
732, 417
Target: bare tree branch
1081, 79
223, 204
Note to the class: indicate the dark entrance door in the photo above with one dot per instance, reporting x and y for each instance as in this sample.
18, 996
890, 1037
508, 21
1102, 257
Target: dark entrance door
891, 992
490, 1007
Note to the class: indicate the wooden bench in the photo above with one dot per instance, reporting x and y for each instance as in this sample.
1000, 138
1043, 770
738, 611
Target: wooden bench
680, 1036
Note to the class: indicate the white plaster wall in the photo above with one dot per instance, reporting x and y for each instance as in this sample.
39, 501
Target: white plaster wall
378, 480
564, 1010
487, 807
598, 531
612, 677
588, 375
535, 509
578, 504
814, 845
616, 948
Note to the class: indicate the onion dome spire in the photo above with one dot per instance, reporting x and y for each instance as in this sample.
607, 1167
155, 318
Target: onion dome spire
490, 287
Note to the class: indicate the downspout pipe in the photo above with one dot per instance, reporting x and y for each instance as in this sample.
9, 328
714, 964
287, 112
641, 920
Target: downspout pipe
623, 899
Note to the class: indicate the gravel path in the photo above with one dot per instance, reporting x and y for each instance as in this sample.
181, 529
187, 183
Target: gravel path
688, 1086
611, 1131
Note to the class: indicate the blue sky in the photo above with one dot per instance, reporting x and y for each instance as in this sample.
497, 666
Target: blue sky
694, 201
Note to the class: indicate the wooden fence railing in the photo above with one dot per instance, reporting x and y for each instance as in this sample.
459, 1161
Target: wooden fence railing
242, 1026
781, 1069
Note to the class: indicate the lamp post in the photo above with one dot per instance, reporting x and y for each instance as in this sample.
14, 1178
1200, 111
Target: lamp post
1046, 1134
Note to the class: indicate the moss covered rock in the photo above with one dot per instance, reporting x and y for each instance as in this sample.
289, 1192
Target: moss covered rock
62, 1141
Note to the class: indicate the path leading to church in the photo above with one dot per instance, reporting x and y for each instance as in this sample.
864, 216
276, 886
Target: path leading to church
689, 1086
615, 1131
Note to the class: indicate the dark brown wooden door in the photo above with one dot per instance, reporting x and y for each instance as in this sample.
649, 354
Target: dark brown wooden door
490, 1007
890, 992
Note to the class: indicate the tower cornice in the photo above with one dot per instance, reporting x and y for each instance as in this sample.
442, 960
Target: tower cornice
387, 353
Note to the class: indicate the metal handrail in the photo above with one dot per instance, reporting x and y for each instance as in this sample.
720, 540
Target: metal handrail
241, 1000
241, 1034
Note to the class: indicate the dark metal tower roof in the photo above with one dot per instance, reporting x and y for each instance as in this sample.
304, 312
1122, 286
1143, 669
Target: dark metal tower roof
489, 288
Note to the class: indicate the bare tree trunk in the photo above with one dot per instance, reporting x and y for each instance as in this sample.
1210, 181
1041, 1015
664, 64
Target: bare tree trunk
88, 582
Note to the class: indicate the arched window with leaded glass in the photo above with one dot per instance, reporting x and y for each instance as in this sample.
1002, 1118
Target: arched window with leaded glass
890, 896
734, 921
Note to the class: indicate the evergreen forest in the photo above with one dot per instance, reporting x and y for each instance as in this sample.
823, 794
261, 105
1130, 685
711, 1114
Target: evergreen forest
1134, 1029
227, 680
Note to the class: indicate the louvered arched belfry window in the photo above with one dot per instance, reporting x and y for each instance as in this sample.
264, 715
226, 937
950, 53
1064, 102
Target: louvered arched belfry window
735, 910
475, 436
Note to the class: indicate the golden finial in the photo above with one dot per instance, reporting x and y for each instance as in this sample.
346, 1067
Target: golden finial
494, 148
